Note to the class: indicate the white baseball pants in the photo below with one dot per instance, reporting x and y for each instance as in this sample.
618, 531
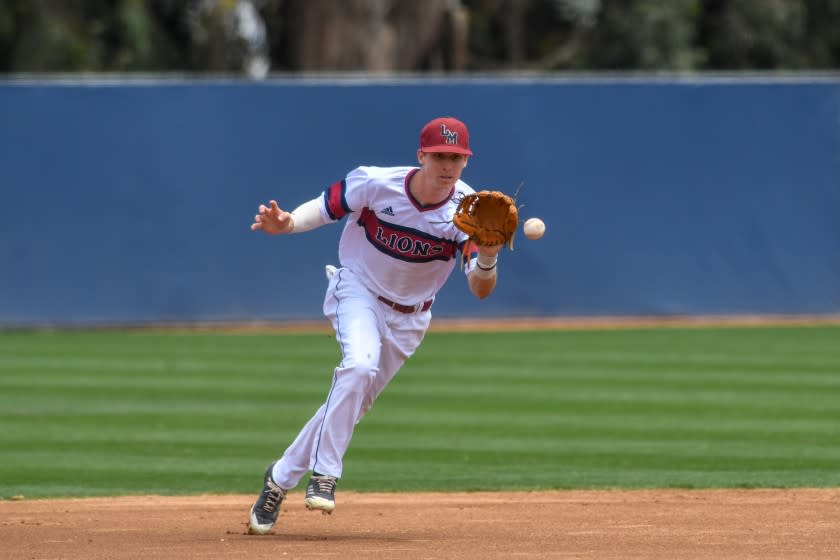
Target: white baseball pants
375, 341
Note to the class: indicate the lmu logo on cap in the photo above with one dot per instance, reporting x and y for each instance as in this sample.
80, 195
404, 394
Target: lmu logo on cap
450, 135
445, 134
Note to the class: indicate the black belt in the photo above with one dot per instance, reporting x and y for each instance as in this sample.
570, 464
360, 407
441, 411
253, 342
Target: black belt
406, 308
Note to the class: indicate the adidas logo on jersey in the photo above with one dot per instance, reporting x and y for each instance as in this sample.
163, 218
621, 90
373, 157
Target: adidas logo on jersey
388, 211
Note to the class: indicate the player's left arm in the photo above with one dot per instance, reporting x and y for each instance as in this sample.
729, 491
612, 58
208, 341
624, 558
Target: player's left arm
482, 274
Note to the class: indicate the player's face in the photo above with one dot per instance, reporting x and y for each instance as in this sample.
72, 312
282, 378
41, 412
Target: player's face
443, 168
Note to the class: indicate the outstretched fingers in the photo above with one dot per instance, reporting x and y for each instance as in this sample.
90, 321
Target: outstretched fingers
271, 218
262, 216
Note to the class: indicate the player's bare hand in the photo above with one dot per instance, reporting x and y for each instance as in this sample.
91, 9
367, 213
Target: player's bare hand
272, 219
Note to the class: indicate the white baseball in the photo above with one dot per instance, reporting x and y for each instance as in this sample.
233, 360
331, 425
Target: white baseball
534, 228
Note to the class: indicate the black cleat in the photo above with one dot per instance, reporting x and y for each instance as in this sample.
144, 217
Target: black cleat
320, 493
265, 510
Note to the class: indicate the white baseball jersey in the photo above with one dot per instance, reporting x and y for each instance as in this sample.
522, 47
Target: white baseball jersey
391, 247
400, 249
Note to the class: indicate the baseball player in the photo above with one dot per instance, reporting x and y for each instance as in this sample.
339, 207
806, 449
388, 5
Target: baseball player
397, 249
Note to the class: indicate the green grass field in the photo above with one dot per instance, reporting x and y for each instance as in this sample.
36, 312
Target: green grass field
104, 413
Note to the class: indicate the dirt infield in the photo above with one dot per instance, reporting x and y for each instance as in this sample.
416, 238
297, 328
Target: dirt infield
701, 524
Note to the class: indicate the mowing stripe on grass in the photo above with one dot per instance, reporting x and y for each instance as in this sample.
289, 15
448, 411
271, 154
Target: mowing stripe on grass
110, 412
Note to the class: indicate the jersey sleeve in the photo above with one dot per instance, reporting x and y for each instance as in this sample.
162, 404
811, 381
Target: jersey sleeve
347, 195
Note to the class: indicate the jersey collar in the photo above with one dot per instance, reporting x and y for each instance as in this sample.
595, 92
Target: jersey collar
415, 202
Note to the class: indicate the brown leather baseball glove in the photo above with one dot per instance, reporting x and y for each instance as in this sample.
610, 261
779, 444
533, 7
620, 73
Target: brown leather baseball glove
488, 217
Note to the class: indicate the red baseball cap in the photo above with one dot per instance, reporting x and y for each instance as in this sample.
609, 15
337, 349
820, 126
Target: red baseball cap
445, 134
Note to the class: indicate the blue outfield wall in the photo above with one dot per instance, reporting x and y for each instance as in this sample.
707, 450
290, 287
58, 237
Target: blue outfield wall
130, 202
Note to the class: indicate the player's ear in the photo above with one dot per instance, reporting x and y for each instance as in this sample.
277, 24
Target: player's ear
466, 161
420, 157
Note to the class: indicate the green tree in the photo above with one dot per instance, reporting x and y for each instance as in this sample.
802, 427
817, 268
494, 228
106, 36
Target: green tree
253, 36
89, 36
771, 34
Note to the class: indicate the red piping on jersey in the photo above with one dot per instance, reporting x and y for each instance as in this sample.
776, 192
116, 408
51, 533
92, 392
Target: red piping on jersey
334, 200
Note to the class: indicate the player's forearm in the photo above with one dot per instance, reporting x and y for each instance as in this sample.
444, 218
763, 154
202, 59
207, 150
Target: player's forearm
481, 287
308, 216
482, 278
